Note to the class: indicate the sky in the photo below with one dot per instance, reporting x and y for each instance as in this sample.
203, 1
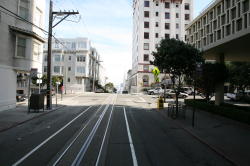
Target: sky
109, 26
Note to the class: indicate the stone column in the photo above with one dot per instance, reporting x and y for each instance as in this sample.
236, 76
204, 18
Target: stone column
219, 88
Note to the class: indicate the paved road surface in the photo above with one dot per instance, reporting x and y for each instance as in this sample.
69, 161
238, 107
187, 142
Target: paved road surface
104, 130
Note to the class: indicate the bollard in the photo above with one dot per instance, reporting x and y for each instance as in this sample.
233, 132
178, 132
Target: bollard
160, 103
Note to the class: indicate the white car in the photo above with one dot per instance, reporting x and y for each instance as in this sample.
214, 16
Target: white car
171, 94
155, 91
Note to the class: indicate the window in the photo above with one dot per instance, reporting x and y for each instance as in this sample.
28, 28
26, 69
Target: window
177, 5
156, 24
80, 58
146, 24
56, 69
187, 7
45, 58
68, 79
245, 6
145, 67
177, 26
21, 47
167, 15
80, 69
82, 45
69, 58
45, 69
177, 15
167, 25
167, 5
69, 68
146, 35
177, 36
146, 57
156, 35
167, 36
38, 17
73, 45
146, 46
156, 3
156, 14
79, 80
36, 51
146, 13
145, 80
146, 3
187, 17
24, 9
57, 58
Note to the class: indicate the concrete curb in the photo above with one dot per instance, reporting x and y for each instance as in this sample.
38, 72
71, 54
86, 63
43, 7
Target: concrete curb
212, 147
35, 117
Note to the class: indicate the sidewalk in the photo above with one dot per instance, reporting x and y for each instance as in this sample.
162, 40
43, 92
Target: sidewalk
227, 137
19, 115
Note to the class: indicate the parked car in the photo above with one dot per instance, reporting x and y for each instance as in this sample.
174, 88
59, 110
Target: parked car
125, 92
20, 97
171, 94
187, 90
155, 91
99, 91
237, 96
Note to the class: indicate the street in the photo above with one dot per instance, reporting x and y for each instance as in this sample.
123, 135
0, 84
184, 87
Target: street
105, 129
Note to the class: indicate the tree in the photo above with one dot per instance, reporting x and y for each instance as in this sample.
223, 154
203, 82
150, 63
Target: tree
109, 86
210, 76
178, 59
239, 75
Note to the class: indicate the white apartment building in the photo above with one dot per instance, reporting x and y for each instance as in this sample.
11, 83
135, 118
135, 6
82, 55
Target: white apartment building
76, 61
21, 46
154, 20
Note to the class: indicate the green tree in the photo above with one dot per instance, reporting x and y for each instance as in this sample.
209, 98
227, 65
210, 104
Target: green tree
109, 86
239, 75
210, 76
178, 59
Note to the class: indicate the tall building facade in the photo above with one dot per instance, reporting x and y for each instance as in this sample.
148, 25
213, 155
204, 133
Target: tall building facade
21, 46
77, 62
154, 20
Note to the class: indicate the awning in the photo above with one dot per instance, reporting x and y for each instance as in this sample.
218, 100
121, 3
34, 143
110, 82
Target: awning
27, 33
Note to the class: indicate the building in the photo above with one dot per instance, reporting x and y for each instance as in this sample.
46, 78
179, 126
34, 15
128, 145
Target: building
154, 20
222, 32
76, 61
21, 46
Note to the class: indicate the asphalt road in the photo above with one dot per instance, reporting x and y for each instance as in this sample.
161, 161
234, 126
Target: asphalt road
104, 130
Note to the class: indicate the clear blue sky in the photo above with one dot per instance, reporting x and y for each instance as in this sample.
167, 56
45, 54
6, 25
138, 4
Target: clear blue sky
108, 23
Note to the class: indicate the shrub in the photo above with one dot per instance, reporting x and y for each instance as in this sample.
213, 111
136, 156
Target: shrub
226, 110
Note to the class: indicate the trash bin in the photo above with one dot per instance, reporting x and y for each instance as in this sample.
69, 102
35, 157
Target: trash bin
36, 102
160, 103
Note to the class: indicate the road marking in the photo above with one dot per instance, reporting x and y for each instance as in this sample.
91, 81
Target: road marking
49, 138
64, 152
130, 140
142, 99
89, 139
104, 137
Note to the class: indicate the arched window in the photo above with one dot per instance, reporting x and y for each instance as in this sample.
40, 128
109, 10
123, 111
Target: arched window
145, 80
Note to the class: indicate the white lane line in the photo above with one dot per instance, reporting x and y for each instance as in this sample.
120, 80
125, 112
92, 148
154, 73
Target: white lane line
64, 152
130, 140
104, 137
142, 99
89, 139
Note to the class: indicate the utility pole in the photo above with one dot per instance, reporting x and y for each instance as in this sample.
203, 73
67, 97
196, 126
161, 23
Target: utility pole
51, 26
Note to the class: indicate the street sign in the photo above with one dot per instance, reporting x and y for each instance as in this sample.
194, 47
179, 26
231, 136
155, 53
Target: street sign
39, 81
